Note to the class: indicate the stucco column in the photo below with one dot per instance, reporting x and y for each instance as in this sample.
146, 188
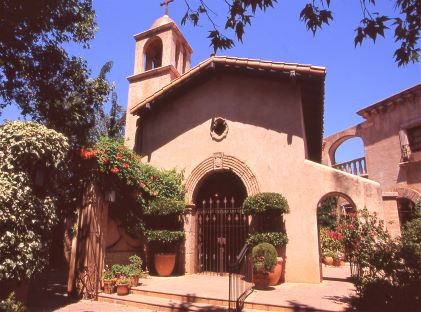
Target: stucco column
391, 215
190, 244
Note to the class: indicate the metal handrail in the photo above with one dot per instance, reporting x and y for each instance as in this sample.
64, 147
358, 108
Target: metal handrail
238, 289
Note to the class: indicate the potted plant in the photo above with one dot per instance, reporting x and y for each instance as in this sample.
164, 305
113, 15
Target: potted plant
165, 231
123, 286
264, 261
328, 257
165, 245
268, 226
134, 270
109, 280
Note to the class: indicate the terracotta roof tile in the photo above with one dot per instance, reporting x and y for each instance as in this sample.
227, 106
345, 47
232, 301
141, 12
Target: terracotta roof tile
235, 61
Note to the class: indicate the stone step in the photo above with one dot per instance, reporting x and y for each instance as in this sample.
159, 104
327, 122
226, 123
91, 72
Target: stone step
155, 303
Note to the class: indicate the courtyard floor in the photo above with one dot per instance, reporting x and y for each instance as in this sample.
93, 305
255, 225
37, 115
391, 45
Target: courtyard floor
333, 294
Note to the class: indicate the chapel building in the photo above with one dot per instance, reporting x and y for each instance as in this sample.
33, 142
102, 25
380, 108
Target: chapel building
237, 127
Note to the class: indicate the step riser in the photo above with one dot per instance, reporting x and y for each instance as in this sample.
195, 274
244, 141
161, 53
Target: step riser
182, 298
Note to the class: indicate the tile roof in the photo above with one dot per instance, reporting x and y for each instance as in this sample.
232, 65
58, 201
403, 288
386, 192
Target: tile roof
297, 69
389, 101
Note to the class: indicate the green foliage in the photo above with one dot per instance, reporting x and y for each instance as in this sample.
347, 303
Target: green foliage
274, 238
27, 215
388, 273
123, 281
264, 258
112, 123
108, 275
134, 268
164, 236
120, 166
326, 213
411, 245
11, 304
316, 14
263, 202
164, 207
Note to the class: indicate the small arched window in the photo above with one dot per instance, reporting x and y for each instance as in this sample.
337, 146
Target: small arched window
153, 54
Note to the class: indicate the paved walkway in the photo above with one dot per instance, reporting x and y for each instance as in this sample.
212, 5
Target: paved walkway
333, 294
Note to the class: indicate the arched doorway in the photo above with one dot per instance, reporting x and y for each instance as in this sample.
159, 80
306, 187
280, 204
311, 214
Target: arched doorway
222, 228
331, 209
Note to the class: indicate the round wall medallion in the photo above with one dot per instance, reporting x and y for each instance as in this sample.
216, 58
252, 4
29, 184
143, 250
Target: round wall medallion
219, 129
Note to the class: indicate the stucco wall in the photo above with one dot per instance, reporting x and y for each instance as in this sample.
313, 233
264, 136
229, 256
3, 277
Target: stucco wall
266, 133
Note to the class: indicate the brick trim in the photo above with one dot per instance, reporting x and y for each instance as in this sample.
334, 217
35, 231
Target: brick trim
408, 193
218, 162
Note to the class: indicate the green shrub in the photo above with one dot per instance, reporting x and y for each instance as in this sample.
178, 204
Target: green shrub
274, 238
27, 216
11, 304
135, 267
164, 207
123, 281
263, 202
411, 245
108, 275
264, 258
164, 236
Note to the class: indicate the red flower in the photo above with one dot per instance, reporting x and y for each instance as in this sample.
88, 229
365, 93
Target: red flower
120, 148
115, 170
105, 160
125, 166
119, 156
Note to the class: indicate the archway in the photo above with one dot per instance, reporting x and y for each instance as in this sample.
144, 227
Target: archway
349, 156
331, 209
222, 228
153, 53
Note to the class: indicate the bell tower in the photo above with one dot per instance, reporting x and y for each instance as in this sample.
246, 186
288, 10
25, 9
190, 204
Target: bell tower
162, 54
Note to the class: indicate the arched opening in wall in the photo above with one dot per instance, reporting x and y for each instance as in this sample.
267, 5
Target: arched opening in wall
406, 210
222, 228
333, 210
349, 156
153, 53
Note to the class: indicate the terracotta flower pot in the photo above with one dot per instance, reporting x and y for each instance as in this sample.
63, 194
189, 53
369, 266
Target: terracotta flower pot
134, 280
164, 263
328, 260
261, 280
275, 275
122, 289
109, 286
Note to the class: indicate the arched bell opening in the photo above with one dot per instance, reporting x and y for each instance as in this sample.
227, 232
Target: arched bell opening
153, 53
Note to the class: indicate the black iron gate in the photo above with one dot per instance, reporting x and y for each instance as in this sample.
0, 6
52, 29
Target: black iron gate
222, 232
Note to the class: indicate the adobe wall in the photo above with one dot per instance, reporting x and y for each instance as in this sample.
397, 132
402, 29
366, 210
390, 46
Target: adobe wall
266, 138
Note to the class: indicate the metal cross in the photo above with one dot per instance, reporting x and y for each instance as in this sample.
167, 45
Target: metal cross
166, 2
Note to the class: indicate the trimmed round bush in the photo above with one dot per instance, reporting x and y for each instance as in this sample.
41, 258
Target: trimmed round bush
164, 207
264, 258
263, 202
274, 238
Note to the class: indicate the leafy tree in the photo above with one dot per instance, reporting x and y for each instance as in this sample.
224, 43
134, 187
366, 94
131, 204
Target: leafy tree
36, 72
111, 124
315, 15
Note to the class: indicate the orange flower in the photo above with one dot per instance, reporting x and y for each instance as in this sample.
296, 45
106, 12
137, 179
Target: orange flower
125, 166
105, 160
119, 156
120, 148
142, 185
115, 170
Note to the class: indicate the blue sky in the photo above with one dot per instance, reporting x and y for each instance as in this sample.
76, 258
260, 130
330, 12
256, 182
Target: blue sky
356, 77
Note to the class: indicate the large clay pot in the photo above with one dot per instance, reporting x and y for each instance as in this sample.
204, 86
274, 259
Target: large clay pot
261, 280
328, 260
275, 275
164, 263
